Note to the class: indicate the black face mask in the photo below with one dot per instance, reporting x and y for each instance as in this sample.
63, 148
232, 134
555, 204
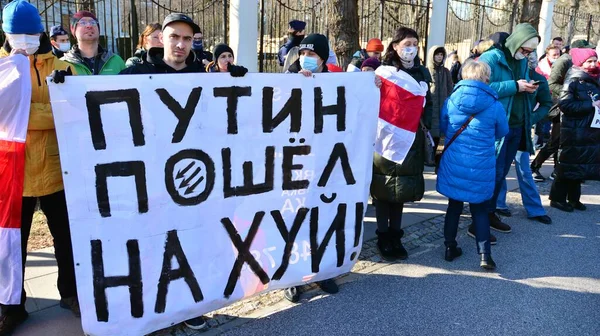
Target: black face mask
296, 39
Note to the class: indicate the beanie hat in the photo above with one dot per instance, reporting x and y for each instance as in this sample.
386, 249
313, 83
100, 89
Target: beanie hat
57, 30
297, 25
580, 44
21, 17
580, 55
80, 15
374, 44
221, 48
372, 62
317, 43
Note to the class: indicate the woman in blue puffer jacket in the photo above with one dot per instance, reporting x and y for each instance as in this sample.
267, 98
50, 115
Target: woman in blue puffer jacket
468, 165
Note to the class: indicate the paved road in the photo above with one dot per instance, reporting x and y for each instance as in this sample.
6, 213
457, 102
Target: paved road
548, 283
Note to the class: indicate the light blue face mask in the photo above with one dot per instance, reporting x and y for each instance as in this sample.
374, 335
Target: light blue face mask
308, 63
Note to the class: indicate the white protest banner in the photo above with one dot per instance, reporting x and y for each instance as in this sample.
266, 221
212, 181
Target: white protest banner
596, 120
187, 193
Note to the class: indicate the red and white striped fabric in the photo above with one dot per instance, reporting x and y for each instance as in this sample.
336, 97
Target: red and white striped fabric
401, 107
15, 98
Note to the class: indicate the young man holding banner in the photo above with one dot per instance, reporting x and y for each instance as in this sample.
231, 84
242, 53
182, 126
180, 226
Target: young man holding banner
29, 162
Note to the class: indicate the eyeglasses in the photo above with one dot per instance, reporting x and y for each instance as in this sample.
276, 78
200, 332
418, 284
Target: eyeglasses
526, 52
87, 23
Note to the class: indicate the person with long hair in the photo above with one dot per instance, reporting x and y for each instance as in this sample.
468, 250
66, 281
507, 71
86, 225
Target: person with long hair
224, 61
150, 38
394, 184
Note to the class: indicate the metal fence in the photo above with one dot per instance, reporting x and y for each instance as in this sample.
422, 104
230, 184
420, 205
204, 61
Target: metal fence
584, 25
377, 18
469, 21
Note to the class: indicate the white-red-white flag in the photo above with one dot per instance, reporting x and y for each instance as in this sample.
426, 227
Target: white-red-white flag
15, 99
401, 107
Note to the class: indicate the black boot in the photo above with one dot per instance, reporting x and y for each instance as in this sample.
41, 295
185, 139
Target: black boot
452, 253
385, 246
399, 250
487, 262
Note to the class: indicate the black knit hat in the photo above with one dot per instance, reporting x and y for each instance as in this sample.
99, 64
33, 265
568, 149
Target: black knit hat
317, 43
221, 48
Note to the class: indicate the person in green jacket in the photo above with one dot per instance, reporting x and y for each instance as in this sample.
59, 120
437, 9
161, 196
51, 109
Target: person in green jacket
87, 56
542, 100
510, 79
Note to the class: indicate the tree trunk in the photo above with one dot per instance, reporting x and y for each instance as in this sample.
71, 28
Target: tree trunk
531, 12
343, 27
574, 8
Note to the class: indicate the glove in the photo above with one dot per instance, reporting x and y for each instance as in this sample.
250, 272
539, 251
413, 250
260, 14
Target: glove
58, 76
237, 70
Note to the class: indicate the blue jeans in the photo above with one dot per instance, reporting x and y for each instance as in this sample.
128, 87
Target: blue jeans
480, 220
529, 193
507, 154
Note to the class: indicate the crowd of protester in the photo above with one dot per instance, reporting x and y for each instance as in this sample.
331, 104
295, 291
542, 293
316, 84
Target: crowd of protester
480, 113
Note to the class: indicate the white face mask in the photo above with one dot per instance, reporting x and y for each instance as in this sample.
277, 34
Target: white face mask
519, 56
64, 46
29, 43
408, 54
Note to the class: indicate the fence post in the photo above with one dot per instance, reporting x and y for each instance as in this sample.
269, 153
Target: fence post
437, 23
134, 27
225, 23
261, 52
545, 26
243, 16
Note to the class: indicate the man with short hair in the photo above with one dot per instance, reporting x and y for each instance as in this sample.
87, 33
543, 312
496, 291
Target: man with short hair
558, 42
202, 56
296, 33
59, 38
87, 56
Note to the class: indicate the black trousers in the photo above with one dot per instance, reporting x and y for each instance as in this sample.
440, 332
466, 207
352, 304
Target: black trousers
54, 207
550, 148
565, 189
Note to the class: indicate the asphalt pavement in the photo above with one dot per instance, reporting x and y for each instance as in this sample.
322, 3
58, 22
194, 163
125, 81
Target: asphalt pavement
547, 283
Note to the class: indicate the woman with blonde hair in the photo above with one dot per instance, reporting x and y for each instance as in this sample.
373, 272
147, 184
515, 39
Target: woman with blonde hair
472, 119
148, 39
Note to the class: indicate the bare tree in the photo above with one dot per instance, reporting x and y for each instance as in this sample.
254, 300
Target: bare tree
531, 12
573, 9
344, 30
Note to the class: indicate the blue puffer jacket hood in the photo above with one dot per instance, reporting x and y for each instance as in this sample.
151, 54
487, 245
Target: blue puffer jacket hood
473, 96
468, 167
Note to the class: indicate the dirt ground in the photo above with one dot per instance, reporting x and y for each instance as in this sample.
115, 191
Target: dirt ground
40, 235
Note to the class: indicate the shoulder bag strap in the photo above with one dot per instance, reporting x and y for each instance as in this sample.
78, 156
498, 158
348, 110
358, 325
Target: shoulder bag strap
460, 130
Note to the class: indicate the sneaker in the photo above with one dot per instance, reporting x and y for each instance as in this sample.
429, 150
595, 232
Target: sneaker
496, 224
8, 323
72, 304
328, 286
537, 177
292, 294
471, 233
197, 323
